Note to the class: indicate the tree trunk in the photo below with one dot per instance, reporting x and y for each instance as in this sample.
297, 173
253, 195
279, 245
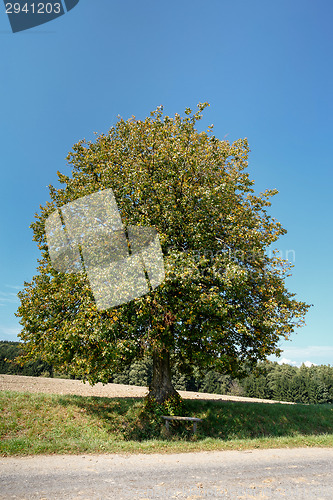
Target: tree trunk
161, 387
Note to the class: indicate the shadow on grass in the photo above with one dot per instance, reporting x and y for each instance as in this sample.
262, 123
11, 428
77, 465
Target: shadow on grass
125, 419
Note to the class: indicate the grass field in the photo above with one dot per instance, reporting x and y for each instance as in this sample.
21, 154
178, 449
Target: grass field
45, 424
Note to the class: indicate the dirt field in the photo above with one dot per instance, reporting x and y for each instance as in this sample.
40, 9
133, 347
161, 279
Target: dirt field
65, 386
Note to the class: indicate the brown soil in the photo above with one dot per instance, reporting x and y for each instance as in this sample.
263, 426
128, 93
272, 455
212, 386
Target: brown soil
64, 386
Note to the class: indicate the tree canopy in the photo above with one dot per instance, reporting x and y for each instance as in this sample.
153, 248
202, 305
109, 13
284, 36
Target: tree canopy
223, 301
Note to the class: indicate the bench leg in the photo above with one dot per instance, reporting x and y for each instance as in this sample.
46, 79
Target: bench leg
167, 425
194, 427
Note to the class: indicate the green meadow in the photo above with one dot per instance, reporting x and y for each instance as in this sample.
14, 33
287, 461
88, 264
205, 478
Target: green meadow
64, 424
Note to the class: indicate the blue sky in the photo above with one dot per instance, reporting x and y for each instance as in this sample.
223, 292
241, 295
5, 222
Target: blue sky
265, 67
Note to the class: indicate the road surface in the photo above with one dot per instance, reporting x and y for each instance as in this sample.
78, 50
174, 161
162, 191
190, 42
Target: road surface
303, 473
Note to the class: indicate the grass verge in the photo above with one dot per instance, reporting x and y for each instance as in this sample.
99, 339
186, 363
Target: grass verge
45, 424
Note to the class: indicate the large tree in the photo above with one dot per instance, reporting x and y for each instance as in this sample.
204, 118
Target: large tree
223, 301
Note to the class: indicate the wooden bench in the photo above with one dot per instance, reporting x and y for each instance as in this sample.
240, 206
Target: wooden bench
191, 419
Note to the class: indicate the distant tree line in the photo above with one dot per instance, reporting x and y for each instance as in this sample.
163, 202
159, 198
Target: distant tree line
289, 383
9, 351
271, 381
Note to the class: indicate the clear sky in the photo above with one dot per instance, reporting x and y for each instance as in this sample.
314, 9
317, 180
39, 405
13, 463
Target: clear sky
265, 67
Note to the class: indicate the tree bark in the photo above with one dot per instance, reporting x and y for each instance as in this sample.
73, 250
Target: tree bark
161, 387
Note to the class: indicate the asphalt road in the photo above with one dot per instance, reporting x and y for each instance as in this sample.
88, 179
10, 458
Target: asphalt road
303, 473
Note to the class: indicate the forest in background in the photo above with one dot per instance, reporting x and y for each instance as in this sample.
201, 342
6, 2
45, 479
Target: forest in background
311, 385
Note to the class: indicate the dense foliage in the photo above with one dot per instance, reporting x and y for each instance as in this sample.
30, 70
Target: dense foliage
223, 301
